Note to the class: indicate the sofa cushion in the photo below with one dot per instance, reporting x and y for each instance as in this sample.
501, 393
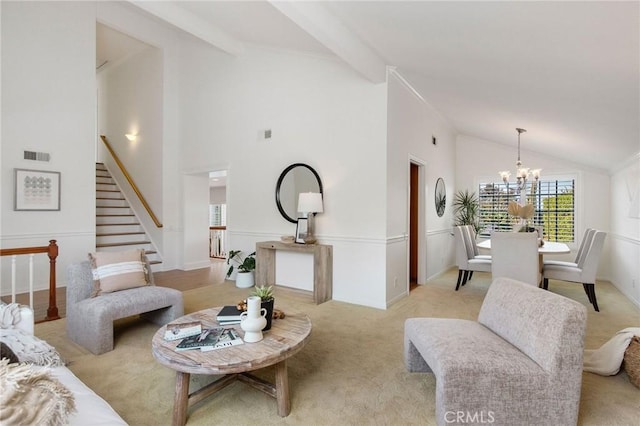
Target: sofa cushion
30, 395
114, 271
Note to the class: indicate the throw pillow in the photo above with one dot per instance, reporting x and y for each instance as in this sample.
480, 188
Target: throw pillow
115, 271
28, 348
632, 361
31, 396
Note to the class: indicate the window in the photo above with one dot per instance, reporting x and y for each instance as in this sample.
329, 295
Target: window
217, 215
553, 200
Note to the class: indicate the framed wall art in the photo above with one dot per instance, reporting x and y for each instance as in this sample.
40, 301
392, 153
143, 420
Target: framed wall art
440, 197
36, 190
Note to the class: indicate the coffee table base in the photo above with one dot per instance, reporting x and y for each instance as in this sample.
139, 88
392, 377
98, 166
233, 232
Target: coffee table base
279, 391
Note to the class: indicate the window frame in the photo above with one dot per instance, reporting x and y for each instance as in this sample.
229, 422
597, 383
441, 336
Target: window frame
501, 205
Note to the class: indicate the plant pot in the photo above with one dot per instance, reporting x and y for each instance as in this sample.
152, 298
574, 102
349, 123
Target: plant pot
269, 316
245, 279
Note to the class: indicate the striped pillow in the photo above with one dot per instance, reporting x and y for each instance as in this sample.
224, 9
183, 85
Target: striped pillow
115, 271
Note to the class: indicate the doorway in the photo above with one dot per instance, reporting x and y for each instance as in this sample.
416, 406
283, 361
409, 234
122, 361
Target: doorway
414, 223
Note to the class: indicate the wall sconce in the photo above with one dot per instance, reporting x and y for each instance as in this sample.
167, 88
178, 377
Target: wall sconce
131, 136
310, 203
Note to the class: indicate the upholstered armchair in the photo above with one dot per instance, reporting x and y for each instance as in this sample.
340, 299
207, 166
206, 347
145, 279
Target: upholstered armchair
90, 319
520, 363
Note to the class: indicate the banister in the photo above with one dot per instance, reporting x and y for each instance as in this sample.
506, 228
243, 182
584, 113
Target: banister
52, 253
131, 182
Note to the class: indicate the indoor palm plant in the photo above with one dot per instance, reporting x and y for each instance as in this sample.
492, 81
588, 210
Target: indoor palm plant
265, 293
465, 209
246, 266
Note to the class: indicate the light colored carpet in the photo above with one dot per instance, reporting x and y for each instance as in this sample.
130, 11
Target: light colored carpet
350, 373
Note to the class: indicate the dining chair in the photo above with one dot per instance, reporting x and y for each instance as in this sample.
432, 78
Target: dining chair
472, 242
586, 242
515, 255
584, 272
465, 259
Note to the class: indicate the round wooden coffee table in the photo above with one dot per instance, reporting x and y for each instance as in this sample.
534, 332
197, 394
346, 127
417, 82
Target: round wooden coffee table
285, 338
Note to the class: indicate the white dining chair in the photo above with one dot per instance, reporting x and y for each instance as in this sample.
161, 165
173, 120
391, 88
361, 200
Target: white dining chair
584, 272
465, 259
515, 255
586, 242
473, 243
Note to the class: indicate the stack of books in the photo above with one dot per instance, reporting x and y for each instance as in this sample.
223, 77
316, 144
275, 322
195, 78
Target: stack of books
229, 315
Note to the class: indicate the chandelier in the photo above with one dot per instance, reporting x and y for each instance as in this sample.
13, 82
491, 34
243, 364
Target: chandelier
523, 174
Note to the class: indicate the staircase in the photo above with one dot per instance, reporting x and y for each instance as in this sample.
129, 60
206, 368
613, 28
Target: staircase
117, 227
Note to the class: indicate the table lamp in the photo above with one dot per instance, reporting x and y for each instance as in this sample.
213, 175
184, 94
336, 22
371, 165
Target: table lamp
310, 203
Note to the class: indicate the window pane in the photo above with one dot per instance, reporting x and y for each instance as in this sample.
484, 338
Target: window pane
554, 208
217, 215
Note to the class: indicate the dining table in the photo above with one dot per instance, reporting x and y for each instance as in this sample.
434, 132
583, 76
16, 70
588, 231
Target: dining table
548, 248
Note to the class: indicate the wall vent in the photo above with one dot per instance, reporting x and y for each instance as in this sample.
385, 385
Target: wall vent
37, 156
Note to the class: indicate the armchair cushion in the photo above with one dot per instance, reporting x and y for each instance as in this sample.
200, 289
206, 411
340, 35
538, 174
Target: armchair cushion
115, 271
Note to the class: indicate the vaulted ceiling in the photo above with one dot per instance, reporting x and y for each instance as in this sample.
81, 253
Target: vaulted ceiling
568, 72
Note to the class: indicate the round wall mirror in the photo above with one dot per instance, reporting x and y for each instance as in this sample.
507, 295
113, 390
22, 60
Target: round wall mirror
441, 197
296, 178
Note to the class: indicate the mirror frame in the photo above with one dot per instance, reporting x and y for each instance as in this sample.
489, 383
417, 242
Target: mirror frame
281, 178
440, 193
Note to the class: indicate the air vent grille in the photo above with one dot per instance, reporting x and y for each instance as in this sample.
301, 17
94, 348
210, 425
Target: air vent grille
37, 156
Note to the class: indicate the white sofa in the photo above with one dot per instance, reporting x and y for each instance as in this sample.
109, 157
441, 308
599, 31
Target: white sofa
91, 409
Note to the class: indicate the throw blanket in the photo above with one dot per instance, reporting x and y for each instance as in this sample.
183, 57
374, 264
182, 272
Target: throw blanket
31, 396
9, 315
29, 348
607, 360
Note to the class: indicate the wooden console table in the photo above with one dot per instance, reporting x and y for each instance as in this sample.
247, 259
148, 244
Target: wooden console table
322, 265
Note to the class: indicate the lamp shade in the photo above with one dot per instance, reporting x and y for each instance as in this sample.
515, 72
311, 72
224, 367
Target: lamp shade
310, 202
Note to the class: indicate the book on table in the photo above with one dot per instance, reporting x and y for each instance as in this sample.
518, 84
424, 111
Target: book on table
228, 322
175, 331
229, 337
229, 313
208, 337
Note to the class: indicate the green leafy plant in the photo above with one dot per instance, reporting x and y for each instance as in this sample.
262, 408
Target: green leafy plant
465, 209
263, 292
245, 264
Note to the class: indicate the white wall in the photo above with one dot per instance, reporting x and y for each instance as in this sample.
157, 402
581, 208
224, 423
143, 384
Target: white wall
130, 101
624, 238
48, 105
478, 159
217, 195
321, 113
412, 123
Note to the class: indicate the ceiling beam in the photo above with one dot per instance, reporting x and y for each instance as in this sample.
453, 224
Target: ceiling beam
192, 24
314, 18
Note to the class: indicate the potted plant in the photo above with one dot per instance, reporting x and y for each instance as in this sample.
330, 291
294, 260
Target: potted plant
465, 209
246, 266
265, 293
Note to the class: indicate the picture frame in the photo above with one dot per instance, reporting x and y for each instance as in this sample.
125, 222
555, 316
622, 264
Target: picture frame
302, 226
36, 190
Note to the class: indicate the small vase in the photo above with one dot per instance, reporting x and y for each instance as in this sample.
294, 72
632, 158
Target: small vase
268, 305
253, 320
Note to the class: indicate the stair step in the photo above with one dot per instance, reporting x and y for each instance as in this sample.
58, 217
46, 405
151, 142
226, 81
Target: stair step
116, 223
111, 202
115, 210
113, 234
127, 243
